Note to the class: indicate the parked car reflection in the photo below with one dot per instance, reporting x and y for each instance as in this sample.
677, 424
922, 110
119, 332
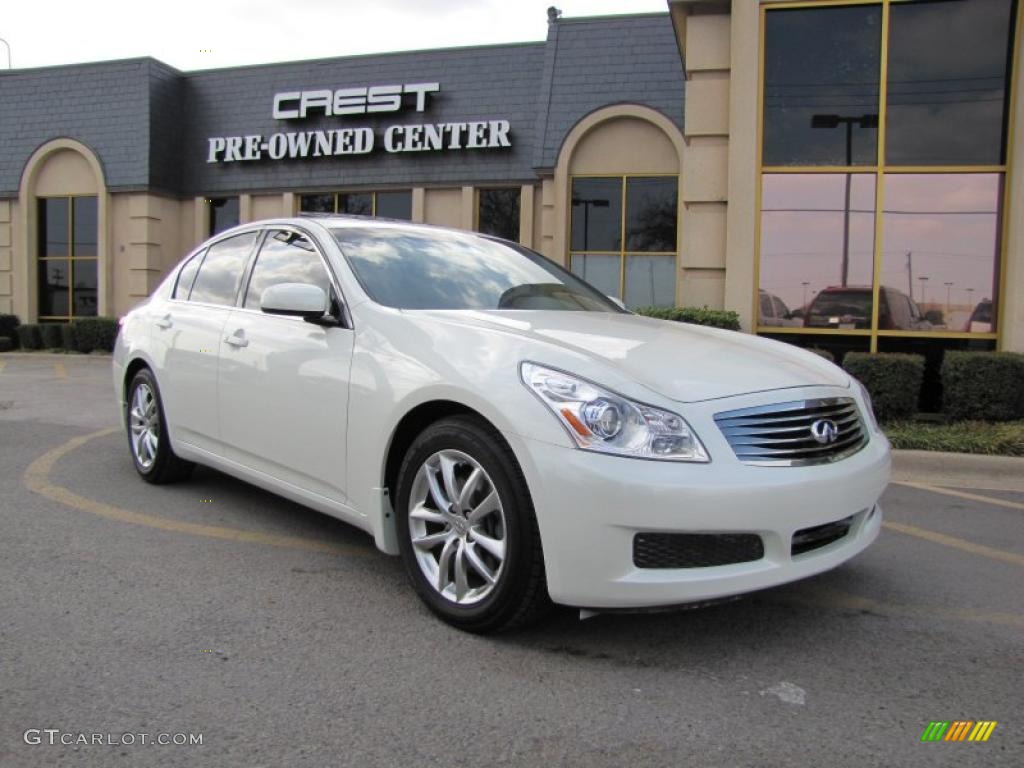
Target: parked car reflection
849, 308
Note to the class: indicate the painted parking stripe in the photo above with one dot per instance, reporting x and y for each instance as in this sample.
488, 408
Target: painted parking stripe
37, 480
963, 495
956, 543
60, 370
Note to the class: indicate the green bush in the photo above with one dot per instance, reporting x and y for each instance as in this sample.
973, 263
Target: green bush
29, 337
6, 345
893, 381
984, 386
68, 338
96, 333
716, 318
9, 328
51, 335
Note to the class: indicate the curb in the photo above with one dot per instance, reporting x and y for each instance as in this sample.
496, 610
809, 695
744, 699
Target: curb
961, 470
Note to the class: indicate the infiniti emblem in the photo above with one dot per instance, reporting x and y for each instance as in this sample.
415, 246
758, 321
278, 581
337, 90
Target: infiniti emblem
825, 431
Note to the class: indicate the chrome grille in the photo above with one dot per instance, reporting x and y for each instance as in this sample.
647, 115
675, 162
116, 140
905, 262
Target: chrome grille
781, 434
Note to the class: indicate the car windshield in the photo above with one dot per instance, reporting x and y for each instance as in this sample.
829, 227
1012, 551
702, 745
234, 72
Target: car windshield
449, 270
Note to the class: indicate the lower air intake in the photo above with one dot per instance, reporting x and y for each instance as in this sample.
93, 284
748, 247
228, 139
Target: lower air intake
695, 550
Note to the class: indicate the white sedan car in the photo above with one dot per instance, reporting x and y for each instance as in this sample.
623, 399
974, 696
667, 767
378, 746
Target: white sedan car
512, 433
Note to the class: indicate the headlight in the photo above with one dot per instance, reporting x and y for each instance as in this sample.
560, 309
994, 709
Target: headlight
872, 421
600, 420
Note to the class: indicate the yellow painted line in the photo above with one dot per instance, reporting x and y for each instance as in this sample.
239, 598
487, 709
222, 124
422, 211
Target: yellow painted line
3, 364
60, 371
37, 480
830, 598
964, 495
956, 543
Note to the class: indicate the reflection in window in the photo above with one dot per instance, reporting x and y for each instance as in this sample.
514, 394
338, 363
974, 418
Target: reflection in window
221, 271
821, 85
286, 257
940, 248
498, 212
651, 214
451, 270
187, 276
947, 108
608, 245
223, 214
817, 250
316, 203
68, 276
356, 203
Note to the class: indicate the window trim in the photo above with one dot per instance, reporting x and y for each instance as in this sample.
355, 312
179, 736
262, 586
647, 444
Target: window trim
69, 257
205, 247
622, 253
880, 170
336, 193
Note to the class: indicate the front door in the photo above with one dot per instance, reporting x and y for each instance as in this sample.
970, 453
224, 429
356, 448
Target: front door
283, 382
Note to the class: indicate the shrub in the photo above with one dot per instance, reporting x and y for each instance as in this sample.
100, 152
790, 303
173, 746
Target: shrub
68, 339
984, 386
96, 333
29, 337
51, 335
9, 328
892, 379
716, 318
6, 345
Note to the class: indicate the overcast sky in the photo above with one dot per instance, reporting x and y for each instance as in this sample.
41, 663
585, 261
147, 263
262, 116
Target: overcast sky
194, 34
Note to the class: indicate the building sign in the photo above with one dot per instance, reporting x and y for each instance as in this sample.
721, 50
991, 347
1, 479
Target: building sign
376, 99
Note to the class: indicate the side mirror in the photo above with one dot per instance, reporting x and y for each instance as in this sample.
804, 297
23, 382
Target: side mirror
297, 299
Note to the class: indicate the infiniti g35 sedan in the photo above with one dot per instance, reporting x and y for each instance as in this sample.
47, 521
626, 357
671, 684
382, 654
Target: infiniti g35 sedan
514, 435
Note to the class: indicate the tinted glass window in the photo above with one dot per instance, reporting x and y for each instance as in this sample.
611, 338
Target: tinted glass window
601, 271
499, 213
187, 276
356, 203
420, 270
597, 214
53, 286
53, 227
651, 214
940, 245
84, 295
316, 203
223, 214
650, 281
394, 205
84, 225
221, 271
821, 85
285, 257
812, 240
947, 82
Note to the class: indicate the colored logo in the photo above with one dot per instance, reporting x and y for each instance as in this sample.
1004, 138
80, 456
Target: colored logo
958, 730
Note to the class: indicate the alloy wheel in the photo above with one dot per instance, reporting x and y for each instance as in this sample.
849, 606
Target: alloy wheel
144, 423
457, 527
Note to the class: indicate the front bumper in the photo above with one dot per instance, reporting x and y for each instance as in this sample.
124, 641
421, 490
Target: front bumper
590, 506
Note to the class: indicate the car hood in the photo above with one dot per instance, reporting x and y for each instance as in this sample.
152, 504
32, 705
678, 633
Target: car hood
679, 361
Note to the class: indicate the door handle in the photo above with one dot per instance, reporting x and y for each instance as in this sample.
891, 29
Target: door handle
237, 339
164, 322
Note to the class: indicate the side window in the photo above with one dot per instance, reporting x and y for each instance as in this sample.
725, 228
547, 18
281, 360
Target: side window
780, 308
221, 271
286, 257
187, 276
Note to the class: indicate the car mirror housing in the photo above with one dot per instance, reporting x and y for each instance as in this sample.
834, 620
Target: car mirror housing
297, 299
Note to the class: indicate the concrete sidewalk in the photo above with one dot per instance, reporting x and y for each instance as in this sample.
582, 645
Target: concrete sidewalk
962, 470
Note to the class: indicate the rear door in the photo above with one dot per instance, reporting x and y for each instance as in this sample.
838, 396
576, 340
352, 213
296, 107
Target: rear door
283, 393
187, 336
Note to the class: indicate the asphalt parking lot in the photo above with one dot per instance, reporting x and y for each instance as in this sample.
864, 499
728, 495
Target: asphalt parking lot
284, 638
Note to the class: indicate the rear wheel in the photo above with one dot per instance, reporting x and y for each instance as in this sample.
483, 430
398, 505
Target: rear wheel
467, 529
150, 446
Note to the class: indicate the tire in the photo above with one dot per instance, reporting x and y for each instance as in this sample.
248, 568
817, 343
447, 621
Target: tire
471, 529
145, 423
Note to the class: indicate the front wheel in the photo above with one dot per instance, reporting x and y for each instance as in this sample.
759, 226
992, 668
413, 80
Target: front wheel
150, 446
467, 529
